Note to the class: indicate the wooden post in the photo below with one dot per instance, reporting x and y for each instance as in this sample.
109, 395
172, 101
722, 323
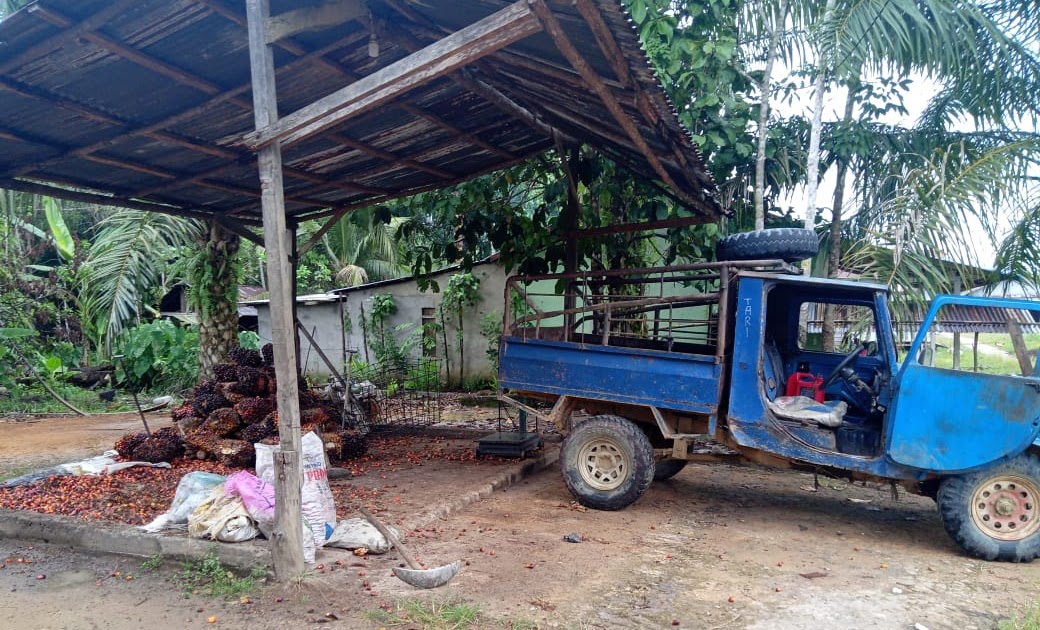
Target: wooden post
287, 538
1021, 352
975, 353
496, 31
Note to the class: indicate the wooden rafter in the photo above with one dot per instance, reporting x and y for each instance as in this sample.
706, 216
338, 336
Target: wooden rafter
496, 31
597, 85
36, 188
643, 226
65, 36
605, 40
185, 78
468, 80
301, 52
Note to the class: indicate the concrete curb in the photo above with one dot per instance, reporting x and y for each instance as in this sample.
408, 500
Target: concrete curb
130, 541
126, 540
526, 468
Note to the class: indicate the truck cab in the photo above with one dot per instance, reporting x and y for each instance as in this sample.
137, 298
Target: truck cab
646, 370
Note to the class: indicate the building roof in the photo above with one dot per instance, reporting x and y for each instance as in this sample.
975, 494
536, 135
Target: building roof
148, 104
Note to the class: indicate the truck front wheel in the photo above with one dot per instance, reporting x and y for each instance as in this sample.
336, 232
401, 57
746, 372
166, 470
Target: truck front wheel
607, 462
994, 514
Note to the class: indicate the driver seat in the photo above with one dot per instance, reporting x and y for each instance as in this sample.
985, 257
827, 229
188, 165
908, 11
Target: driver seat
829, 414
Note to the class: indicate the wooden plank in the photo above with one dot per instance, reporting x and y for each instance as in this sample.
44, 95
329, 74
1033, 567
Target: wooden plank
509, 106
233, 225
287, 538
104, 200
643, 226
605, 39
322, 231
1021, 352
496, 31
297, 21
599, 87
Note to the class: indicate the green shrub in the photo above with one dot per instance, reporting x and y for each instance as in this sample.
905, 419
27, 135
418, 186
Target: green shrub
159, 356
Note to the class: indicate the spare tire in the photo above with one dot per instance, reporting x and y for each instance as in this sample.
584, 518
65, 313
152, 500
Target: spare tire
788, 244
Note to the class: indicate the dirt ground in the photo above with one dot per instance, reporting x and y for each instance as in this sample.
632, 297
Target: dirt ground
715, 547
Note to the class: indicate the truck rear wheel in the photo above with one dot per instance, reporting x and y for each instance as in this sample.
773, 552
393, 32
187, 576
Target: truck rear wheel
789, 244
668, 468
994, 514
607, 462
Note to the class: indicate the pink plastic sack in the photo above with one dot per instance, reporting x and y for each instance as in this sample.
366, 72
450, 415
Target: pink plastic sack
256, 494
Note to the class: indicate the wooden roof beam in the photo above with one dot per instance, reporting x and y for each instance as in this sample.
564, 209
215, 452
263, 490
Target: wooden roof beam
596, 84
156, 131
308, 216
105, 200
51, 44
496, 31
283, 25
387, 156
469, 80
318, 56
605, 40
130, 54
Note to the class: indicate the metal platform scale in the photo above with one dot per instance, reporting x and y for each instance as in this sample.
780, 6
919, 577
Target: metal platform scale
510, 443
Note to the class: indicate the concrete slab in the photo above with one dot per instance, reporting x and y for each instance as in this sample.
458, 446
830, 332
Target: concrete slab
128, 540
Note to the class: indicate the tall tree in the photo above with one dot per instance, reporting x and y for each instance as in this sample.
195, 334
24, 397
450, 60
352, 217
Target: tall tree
214, 294
127, 258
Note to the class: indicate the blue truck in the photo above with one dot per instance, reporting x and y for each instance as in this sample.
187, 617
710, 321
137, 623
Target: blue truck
645, 370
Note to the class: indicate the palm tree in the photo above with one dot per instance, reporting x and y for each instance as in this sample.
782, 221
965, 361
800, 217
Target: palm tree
213, 276
127, 257
363, 247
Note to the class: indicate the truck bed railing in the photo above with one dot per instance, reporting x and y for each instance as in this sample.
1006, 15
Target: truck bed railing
676, 308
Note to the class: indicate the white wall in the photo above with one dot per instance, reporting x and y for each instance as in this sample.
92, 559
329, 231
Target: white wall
410, 303
323, 321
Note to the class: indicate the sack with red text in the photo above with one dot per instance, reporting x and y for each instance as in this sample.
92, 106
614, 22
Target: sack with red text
317, 504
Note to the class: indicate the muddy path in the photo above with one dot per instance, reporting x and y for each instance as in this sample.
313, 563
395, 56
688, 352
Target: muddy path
714, 547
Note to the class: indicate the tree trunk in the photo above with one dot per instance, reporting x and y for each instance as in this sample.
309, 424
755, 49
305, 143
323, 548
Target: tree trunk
812, 170
763, 120
834, 252
218, 304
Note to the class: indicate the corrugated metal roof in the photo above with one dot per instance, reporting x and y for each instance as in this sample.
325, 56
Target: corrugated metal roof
148, 101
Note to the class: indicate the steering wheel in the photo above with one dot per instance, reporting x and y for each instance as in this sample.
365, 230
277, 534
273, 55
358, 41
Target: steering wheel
848, 361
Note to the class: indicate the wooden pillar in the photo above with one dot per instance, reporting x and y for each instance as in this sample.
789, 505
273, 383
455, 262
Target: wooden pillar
569, 221
287, 538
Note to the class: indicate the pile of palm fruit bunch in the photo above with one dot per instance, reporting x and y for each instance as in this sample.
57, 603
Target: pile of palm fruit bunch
230, 413
164, 445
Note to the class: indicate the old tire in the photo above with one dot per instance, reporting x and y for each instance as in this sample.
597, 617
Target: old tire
607, 462
994, 514
789, 244
668, 468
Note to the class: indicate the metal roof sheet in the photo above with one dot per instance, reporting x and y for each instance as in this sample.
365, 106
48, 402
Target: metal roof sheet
147, 102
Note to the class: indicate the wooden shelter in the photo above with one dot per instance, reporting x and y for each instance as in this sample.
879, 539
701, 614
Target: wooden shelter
172, 106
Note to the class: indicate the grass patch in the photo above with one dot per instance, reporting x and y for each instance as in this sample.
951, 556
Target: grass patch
153, 563
1030, 620
432, 615
35, 399
208, 576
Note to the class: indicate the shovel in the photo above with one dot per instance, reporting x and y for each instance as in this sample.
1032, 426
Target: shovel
415, 576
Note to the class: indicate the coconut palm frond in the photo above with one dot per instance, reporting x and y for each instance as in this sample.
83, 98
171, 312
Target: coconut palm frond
931, 228
1018, 256
127, 256
352, 276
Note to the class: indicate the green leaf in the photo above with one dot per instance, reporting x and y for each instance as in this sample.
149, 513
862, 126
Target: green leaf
17, 333
63, 240
638, 10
